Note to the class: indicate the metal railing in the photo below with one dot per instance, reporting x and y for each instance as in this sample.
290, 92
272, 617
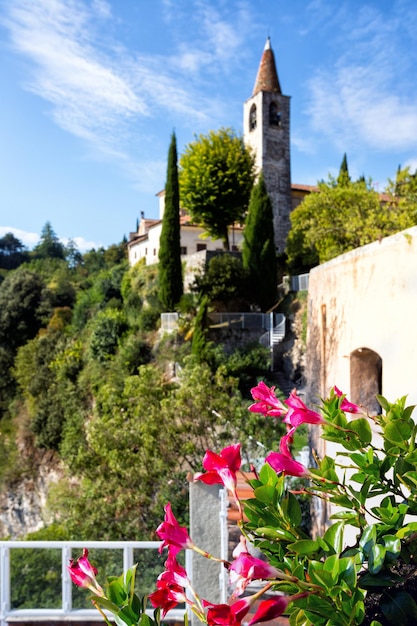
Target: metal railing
66, 611
241, 320
275, 334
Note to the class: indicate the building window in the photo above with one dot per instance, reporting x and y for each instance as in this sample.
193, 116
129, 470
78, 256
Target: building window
252, 117
201, 246
146, 251
365, 378
154, 251
183, 250
274, 115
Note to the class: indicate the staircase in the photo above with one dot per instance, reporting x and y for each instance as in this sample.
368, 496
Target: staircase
275, 337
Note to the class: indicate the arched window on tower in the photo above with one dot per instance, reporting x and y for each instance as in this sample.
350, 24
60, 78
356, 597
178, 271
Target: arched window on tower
252, 117
366, 378
274, 115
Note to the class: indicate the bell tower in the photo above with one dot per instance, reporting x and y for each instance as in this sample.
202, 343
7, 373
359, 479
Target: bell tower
266, 128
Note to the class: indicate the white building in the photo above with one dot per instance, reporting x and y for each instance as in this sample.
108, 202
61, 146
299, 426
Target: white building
145, 242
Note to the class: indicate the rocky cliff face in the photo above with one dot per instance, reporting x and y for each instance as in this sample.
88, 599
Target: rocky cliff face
22, 503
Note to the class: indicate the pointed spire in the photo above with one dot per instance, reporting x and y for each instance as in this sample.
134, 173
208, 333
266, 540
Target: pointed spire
267, 77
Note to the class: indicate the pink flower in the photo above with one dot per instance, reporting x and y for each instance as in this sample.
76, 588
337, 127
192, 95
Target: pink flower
173, 535
274, 607
225, 614
84, 574
246, 568
222, 468
268, 403
284, 462
345, 405
299, 413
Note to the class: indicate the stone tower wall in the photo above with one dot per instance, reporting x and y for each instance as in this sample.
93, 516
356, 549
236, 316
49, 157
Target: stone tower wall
271, 144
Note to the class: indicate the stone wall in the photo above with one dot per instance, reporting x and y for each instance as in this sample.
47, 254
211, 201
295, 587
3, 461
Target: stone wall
365, 300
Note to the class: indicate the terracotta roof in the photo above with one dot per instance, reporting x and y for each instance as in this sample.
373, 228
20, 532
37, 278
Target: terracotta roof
296, 186
267, 77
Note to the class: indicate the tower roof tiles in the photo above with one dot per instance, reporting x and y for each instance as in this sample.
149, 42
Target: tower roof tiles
267, 77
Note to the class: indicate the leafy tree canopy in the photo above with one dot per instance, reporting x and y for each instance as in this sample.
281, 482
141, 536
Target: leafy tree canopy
216, 177
12, 252
339, 218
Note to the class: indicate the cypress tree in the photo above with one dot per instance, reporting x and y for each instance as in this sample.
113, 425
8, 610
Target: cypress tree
258, 250
170, 270
343, 179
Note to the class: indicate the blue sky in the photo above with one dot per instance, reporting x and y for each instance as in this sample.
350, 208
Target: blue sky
92, 90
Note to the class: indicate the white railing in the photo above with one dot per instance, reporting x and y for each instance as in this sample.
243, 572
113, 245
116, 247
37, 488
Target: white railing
275, 334
300, 282
169, 322
66, 612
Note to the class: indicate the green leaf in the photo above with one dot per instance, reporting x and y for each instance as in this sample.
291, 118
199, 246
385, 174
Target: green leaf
304, 546
145, 620
398, 431
376, 558
392, 545
334, 536
383, 402
267, 475
274, 533
399, 608
368, 538
362, 428
292, 509
266, 493
106, 604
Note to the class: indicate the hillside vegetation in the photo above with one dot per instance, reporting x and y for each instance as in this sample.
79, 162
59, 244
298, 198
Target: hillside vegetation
87, 377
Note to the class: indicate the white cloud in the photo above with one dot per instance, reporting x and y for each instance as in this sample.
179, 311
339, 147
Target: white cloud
359, 98
111, 97
82, 244
27, 238
30, 240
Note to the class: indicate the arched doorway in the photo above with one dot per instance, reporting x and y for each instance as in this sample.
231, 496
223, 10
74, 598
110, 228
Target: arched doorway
366, 378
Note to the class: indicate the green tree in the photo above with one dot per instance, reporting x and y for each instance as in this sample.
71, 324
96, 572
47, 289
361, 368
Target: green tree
258, 250
343, 179
12, 252
403, 191
339, 218
200, 342
224, 281
216, 177
20, 297
49, 246
170, 270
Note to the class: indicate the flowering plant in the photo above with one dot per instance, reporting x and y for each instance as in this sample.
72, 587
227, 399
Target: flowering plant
364, 560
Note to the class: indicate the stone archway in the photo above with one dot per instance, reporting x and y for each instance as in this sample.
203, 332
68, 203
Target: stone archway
365, 378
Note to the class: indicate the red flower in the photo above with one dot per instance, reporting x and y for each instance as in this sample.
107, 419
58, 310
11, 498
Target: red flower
246, 568
345, 405
167, 596
173, 535
222, 468
268, 403
274, 607
84, 574
225, 614
299, 413
174, 572
283, 461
